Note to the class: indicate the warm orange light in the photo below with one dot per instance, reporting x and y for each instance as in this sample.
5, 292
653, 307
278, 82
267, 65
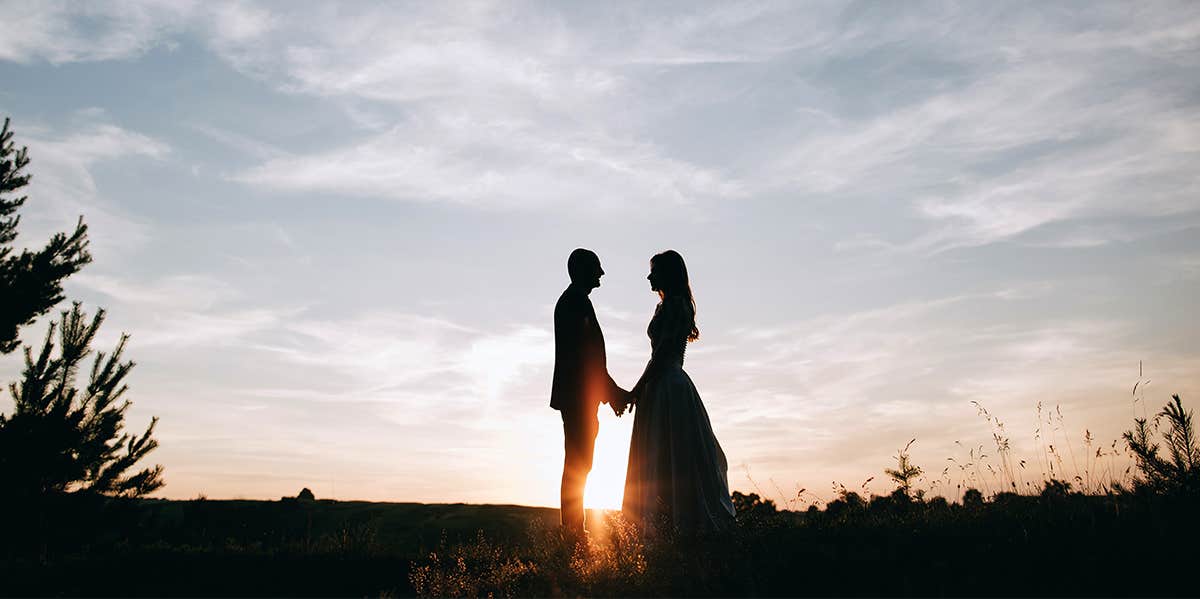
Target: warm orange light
606, 483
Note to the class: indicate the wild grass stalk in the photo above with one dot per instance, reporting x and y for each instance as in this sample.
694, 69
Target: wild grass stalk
1062, 427
1046, 466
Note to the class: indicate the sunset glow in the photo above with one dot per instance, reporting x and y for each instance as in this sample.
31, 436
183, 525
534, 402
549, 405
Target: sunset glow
336, 232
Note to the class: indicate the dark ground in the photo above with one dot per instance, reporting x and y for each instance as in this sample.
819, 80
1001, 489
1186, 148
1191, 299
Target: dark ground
243, 547
1055, 544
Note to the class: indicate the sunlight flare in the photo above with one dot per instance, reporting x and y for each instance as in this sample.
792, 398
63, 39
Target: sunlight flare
606, 483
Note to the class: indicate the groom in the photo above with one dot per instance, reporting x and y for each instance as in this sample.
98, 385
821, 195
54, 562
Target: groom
581, 381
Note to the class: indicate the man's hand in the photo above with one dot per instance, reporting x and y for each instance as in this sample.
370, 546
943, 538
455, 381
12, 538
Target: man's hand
618, 407
619, 402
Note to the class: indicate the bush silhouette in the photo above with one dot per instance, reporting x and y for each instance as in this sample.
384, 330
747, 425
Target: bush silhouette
972, 498
751, 506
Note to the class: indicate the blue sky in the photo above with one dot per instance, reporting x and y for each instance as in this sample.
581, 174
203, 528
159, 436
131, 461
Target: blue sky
336, 232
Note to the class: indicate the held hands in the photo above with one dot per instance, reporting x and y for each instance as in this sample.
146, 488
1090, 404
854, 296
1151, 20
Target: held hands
623, 400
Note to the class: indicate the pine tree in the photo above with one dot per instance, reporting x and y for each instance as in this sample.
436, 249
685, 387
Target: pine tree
906, 472
61, 438
1182, 471
30, 281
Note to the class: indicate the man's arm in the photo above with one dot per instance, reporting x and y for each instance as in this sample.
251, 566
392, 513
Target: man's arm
568, 355
613, 393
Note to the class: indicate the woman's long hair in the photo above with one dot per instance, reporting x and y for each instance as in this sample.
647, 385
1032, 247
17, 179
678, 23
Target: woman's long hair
673, 281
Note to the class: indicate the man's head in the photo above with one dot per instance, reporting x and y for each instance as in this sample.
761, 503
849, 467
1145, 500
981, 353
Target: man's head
584, 268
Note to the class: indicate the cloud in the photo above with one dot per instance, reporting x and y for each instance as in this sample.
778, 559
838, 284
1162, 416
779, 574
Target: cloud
514, 165
485, 52
1022, 123
986, 126
806, 402
179, 311
918, 134
61, 32
1006, 138
187, 329
410, 360
193, 292
485, 109
1099, 181
241, 143
63, 187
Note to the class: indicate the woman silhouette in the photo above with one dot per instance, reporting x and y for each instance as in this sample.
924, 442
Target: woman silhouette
677, 471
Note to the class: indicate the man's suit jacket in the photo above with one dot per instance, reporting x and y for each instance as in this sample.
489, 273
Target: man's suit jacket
581, 379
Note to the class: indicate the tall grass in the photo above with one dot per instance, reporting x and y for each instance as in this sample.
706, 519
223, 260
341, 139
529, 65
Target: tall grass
613, 559
904, 542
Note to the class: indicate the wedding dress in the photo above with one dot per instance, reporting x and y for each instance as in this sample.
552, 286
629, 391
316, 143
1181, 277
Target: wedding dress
677, 473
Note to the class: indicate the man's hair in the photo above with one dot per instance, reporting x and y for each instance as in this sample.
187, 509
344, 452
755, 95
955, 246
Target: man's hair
579, 263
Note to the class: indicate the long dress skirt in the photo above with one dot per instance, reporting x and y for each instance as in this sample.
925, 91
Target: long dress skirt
677, 473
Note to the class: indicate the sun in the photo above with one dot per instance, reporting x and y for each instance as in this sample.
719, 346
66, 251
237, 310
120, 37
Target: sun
606, 483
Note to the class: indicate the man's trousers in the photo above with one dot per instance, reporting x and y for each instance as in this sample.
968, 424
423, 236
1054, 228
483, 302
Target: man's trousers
579, 435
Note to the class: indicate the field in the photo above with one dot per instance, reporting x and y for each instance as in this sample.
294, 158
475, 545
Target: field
1053, 543
241, 547
1129, 537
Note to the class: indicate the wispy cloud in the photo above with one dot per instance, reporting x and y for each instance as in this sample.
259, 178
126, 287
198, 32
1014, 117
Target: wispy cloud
410, 360
179, 311
1014, 134
484, 112
241, 143
63, 185
802, 402
193, 292
61, 32
498, 165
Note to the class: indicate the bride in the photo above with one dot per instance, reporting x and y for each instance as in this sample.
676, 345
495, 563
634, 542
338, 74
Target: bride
677, 471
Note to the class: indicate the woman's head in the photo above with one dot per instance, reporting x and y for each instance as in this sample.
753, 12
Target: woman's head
669, 277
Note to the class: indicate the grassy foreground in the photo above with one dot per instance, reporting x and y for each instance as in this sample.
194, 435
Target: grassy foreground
1054, 543
98, 546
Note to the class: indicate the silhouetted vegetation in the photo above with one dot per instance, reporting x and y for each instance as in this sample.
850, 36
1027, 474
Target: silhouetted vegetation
30, 281
901, 543
905, 473
61, 438
1058, 540
65, 460
204, 547
1179, 473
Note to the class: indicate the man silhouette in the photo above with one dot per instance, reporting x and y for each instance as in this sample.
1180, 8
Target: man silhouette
581, 382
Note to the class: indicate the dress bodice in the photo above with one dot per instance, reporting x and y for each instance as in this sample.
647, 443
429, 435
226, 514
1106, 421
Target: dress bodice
668, 331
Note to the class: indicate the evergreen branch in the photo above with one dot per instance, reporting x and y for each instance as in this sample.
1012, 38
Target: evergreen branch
69, 437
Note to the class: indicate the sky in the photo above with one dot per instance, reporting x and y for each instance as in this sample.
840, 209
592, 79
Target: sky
336, 232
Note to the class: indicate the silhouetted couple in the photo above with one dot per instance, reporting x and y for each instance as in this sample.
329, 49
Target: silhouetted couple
677, 471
